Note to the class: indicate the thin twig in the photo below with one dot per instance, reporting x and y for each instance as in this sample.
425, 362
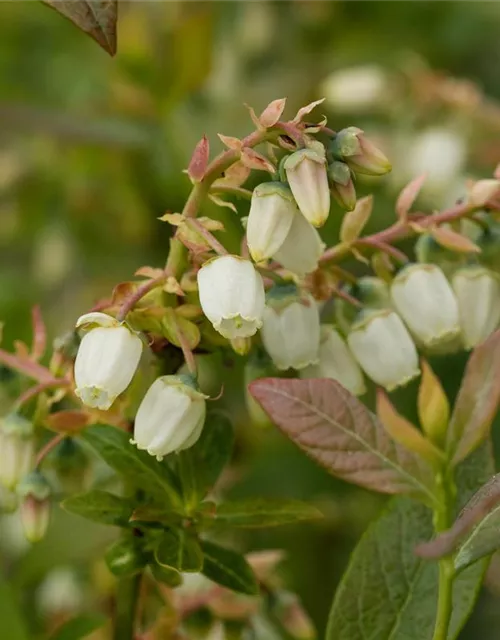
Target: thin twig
38, 388
187, 351
398, 255
51, 444
347, 297
208, 236
139, 293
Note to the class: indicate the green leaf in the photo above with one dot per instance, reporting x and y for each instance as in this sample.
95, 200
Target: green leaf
100, 506
337, 431
228, 568
79, 627
263, 512
166, 575
125, 557
179, 550
477, 400
12, 621
387, 591
95, 17
201, 465
138, 467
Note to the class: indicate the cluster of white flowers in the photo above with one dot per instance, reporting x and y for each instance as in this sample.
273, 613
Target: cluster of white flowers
172, 413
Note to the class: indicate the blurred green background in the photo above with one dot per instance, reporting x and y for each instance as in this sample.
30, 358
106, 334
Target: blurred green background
91, 154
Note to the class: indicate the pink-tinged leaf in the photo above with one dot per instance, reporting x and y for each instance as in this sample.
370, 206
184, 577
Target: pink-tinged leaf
477, 400
408, 196
39, 334
220, 202
304, 111
254, 160
481, 516
123, 291
21, 349
26, 366
97, 18
454, 241
254, 116
272, 113
235, 176
199, 160
150, 272
342, 435
230, 142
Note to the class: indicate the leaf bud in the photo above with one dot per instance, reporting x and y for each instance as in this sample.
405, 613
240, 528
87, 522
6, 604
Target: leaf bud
16, 449
336, 362
125, 557
171, 416
291, 328
35, 492
383, 347
423, 297
232, 296
107, 359
305, 171
433, 406
477, 291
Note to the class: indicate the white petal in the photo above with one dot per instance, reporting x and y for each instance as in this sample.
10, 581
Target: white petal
269, 221
291, 334
336, 362
302, 248
230, 289
384, 349
308, 181
478, 294
105, 364
425, 300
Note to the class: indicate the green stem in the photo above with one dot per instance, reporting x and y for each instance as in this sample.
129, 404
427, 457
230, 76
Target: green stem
126, 606
442, 517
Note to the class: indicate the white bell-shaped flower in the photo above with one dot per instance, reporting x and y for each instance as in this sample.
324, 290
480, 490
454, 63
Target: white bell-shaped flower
383, 347
232, 296
477, 290
271, 214
291, 331
423, 297
306, 172
336, 362
107, 359
170, 417
301, 249
17, 449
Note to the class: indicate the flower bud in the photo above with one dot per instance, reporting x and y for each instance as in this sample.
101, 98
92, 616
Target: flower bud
383, 347
170, 417
291, 329
241, 346
106, 361
16, 449
362, 156
34, 491
306, 174
232, 296
70, 465
478, 294
125, 557
271, 214
302, 248
342, 185
337, 362
425, 300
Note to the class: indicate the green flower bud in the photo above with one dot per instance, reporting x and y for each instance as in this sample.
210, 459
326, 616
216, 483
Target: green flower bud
34, 491
342, 185
362, 156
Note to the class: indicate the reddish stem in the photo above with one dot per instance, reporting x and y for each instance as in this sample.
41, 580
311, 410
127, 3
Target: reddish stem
398, 255
38, 388
51, 444
139, 293
208, 236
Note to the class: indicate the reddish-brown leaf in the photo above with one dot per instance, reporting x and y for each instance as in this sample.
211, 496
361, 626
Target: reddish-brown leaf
479, 506
97, 18
39, 334
69, 422
342, 435
199, 160
477, 401
454, 241
304, 111
408, 196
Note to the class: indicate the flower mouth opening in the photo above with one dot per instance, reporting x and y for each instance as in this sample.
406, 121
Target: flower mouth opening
95, 397
238, 326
